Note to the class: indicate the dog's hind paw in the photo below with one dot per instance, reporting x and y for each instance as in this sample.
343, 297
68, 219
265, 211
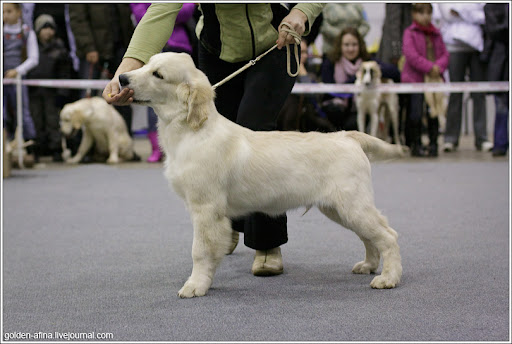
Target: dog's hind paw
191, 289
383, 282
363, 268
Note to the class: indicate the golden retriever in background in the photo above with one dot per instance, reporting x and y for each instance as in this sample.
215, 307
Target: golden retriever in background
370, 101
224, 171
102, 127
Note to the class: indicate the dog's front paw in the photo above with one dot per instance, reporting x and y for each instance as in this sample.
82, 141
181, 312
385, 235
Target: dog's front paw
384, 282
113, 160
363, 268
73, 161
66, 154
192, 289
405, 149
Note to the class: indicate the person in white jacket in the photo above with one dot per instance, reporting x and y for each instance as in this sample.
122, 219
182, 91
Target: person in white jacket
20, 55
461, 28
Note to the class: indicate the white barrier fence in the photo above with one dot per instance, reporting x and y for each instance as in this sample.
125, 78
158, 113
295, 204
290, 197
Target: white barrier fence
317, 88
313, 88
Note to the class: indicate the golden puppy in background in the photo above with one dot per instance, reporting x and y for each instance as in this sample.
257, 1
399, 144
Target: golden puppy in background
102, 127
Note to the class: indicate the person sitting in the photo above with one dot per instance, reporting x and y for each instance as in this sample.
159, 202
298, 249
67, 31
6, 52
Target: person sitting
340, 67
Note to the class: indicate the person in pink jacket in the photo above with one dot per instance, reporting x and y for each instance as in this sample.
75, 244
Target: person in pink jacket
179, 42
425, 54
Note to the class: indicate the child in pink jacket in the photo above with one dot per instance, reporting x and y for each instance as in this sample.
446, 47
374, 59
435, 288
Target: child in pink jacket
425, 55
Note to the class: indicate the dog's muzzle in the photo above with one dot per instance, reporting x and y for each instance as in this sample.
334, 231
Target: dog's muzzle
71, 134
124, 80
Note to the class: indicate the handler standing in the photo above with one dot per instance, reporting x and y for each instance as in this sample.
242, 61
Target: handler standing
229, 36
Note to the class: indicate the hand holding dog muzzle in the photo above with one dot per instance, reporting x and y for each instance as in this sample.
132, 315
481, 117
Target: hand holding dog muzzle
113, 93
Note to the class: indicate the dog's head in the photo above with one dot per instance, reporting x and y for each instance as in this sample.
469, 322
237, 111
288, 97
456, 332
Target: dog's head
73, 116
369, 74
172, 85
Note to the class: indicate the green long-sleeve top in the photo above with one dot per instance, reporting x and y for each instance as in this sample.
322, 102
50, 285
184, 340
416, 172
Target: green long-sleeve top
234, 32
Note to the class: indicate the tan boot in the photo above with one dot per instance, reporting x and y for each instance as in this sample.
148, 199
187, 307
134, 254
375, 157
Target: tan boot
234, 241
268, 262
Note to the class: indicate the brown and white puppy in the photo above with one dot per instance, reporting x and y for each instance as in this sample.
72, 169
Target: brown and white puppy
102, 126
224, 171
381, 107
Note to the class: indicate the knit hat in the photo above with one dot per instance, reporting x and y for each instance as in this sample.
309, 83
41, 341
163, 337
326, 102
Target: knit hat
44, 20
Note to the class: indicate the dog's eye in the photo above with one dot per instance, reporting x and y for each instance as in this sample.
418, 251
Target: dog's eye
158, 75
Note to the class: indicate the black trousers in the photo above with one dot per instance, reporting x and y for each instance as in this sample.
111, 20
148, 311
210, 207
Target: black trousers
45, 115
253, 99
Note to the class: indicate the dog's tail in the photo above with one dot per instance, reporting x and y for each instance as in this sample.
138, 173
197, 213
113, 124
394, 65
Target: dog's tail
377, 149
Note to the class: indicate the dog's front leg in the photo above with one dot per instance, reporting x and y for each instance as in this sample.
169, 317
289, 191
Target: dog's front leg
113, 148
374, 121
212, 233
361, 119
85, 145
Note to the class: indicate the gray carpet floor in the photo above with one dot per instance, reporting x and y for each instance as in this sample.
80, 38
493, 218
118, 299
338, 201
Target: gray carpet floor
104, 249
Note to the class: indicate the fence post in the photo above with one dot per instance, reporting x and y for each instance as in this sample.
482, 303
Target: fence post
19, 120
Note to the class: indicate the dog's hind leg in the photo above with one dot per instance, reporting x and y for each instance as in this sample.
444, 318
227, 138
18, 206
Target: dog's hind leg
372, 257
212, 235
371, 226
393, 115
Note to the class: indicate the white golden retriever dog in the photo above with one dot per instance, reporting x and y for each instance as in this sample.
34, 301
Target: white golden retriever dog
102, 126
224, 171
372, 102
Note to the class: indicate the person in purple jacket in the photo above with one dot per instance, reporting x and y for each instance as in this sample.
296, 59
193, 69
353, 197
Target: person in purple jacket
179, 42
425, 54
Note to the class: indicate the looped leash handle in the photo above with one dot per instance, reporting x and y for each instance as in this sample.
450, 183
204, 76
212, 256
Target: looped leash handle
289, 30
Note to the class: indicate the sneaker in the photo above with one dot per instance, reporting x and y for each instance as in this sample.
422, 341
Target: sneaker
448, 147
268, 262
485, 146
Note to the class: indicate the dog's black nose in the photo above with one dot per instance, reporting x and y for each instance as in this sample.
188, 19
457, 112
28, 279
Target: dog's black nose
123, 80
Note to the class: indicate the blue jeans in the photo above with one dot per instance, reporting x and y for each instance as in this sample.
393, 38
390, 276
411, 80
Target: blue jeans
459, 62
152, 120
10, 111
501, 122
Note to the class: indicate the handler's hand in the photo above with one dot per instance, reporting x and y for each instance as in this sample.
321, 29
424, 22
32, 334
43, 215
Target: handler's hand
11, 73
112, 93
435, 71
297, 19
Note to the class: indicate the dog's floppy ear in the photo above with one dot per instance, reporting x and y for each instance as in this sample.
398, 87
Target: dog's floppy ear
198, 98
359, 74
78, 116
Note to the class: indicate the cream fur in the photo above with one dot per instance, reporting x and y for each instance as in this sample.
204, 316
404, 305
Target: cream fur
223, 171
101, 125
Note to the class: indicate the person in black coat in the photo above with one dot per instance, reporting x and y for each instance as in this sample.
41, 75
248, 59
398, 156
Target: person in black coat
45, 102
496, 28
